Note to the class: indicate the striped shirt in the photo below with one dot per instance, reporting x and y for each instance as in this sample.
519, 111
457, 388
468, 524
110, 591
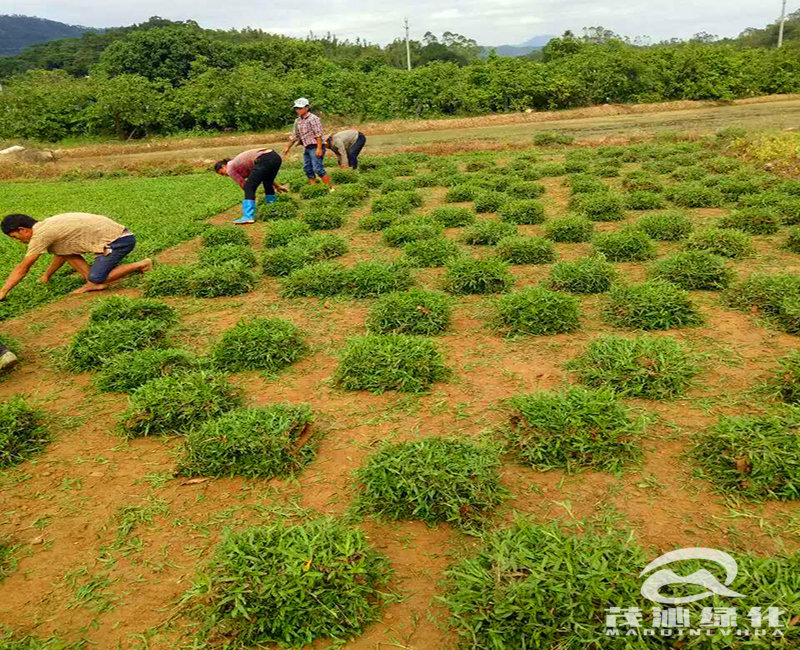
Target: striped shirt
74, 233
240, 167
307, 129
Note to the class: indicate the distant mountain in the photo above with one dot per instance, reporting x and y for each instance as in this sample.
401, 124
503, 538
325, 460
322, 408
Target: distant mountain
17, 32
532, 44
538, 41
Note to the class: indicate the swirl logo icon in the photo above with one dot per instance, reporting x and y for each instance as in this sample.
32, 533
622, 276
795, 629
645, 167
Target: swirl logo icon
651, 589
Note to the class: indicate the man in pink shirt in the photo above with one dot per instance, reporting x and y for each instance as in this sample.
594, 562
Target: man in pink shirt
308, 132
250, 169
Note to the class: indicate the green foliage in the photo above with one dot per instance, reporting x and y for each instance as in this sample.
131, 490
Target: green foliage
433, 480
302, 251
726, 242
225, 279
344, 176
599, 206
126, 372
379, 221
525, 250
522, 212
586, 184
538, 312
96, 343
577, 428
278, 211
641, 181
398, 202
398, 185
22, 433
253, 443
489, 201
468, 275
373, 278
431, 253
461, 193
381, 362
269, 344
416, 311
118, 308
219, 235
569, 229
549, 138
690, 173
651, 305
645, 366
284, 231
643, 200
753, 221
525, 190
695, 195
789, 210
324, 215
775, 297
291, 585
694, 270
793, 240
402, 232
451, 216
350, 196
177, 403
626, 245
314, 191
586, 275
666, 226
752, 457
322, 279
488, 233
225, 253
785, 381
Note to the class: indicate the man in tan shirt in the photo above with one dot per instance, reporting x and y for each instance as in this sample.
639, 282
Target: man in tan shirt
68, 237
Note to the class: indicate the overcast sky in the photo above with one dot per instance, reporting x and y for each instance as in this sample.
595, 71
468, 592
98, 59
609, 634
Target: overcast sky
490, 22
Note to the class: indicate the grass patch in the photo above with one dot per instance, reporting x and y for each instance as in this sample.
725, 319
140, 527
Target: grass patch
792, 242
666, 226
350, 196
96, 343
278, 211
523, 212
586, 275
373, 278
376, 222
626, 245
642, 181
537, 311
126, 372
774, 297
322, 279
416, 311
227, 253
175, 404
525, 250
452, 216
431, 253
468, 276
22, 432
222, 235
785, 381
752, 457
693, 270
599, 206
291, 585
284, 231
220, 280
526, 190
412, 230
694, 194
646, 366
117, 308
726, 242
303, 251
381, 362
643, 200
753, 221
487, 233
489, 201
253, 443
435, 480
461, 193
398, 202
269, 344
574, 429
313, 191
344, 176
569, 229
651, 305
323, 215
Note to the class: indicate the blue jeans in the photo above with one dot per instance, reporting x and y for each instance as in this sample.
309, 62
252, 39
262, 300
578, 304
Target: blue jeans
352, 153
312, 165
104, 264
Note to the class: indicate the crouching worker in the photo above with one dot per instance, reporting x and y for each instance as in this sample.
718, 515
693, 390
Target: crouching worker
7, 359
250, 169
68, 237
346, 146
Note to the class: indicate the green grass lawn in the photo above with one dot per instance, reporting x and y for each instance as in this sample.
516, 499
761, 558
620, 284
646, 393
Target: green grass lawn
161, 212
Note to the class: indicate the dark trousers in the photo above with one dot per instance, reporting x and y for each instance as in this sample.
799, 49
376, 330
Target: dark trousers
352, 152
265, 171
3, 349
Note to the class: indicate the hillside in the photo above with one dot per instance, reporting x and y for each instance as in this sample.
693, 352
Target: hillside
18, 32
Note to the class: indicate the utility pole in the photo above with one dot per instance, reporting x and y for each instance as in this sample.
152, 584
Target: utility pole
783, 20
408, 47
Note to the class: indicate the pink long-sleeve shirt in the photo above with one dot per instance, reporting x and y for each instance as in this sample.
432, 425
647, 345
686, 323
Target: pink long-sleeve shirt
240, 167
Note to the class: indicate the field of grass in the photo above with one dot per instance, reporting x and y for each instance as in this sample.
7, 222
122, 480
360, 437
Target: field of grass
436, 414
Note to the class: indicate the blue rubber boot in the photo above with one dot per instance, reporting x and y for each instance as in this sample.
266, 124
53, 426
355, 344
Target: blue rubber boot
269, 198
248, 212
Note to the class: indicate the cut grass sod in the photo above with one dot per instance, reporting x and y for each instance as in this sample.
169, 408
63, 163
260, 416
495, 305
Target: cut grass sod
126, 372
753, 221
323, 215
373, 278
525, 250
269, 344
225, 253
569, 229
403, 232
784, 384
321, 279
254, 443
431, 253
284, 231
118, 308
523, 212
381, 362
537, 311
478, 276
489, 201
651, 305
487, 233
22, 432
221, 235
290, 585
726, 242
752, 457
599, 206
96, 343
776, 298
694, 270
587, 275
646, 366
452, 216
303, 251
175, 404
626, 245
278, 211
416, 311
436, 480
575, 429
220, 280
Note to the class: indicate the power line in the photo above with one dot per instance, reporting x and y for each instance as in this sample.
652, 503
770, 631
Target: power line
783, 20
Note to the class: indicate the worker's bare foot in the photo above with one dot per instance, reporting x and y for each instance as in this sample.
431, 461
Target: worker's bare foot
90, 286
147, 265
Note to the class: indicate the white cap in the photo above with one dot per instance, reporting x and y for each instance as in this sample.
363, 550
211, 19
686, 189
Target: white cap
302, 102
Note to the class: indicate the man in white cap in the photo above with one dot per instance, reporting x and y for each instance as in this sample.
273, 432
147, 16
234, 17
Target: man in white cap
308, 132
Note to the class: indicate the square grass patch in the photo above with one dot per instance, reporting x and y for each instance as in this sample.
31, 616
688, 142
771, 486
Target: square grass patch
416, 311
574, 429
586, 276
284, 231
525, 250
537, 311
727, 242
626, 245
303, 251
22, 432
381, 362
666, 226
221, 235
322, 279
774, 297
402, 232
651, 305
118, 308
269, 344
599, 206
227, 253
273, 441
569, 229
784, 384
435, 480
452, 216
487, 233
126, 372
478, 276
431, 253
98, 342
523, 212
694, 270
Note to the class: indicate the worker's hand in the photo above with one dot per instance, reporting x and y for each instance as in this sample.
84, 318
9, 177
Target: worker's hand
44, 279
320, 152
